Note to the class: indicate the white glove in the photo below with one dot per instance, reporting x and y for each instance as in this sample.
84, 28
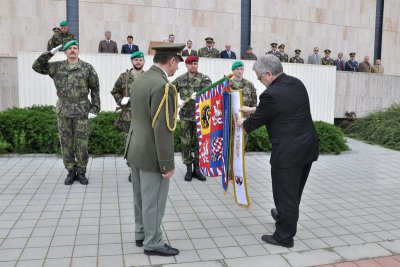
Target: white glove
92, 116
55, 49
181, 103
193, 97
125, 100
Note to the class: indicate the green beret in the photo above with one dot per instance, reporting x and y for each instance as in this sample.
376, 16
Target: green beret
138, 54
68, 44
237, 64
64, 23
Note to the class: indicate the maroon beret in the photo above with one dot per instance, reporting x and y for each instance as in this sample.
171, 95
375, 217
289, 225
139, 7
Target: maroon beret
191, 59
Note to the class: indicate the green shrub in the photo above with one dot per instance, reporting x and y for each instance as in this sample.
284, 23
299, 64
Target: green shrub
34, 130
4, 146
381, 128
104, 137
331, 138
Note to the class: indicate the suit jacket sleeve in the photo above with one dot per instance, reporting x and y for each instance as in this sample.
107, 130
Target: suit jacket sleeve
100, 50
123, 49
265, 111
115, 48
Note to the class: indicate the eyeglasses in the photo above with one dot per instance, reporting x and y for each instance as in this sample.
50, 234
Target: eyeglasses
316, 50
260, 77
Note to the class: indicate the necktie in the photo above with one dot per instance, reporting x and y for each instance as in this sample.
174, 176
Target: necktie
130, 47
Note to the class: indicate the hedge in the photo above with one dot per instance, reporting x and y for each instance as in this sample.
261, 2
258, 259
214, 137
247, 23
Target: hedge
34, 130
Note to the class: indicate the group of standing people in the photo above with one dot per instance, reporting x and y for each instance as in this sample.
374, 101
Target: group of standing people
149, 107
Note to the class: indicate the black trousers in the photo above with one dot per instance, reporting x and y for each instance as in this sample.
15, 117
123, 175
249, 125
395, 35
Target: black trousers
287, 187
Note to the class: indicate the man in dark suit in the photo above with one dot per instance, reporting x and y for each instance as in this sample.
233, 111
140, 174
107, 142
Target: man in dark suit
129, 48
108, 45
284, 109
189, 51
227, 53
150, 146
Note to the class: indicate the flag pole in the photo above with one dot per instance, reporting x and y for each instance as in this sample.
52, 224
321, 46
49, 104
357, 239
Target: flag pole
205, 89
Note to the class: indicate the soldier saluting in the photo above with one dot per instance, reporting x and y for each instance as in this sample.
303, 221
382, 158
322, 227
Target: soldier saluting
61, 36
74, 80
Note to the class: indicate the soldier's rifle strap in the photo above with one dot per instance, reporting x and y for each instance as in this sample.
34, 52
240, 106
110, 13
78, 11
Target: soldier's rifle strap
164, 100
126, 83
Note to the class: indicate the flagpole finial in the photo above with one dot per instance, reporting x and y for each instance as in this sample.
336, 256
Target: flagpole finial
229, 75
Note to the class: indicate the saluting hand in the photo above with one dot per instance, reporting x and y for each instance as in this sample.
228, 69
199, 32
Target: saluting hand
168, 175
55, 49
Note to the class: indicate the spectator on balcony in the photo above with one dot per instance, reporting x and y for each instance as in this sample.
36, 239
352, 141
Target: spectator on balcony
208, 50
377, 68
315, 58
129, 48
327, 60
227, 53
351, 64
108, 45
283, 57
249, 54
171, 38
189, 51
296, 58
339, 62
365, 66
273, 50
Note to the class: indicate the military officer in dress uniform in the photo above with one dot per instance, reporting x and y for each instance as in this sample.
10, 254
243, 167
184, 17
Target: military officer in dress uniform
274, 51
249, 92
150, 146
296, 58
327, 60
121, 93
188, 84
249, 54
283, 57
351, 64
208, 50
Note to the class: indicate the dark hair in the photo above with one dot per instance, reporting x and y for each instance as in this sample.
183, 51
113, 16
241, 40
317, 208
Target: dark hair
163, 59
129, 36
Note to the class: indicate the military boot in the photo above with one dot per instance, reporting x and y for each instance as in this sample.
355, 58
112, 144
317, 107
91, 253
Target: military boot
70, 177
188, 175
196, 172
82, 178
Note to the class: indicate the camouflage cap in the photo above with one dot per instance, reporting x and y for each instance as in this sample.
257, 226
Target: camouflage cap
68, 44
249, 48
137, 54
237, 64
64, 23
170, 49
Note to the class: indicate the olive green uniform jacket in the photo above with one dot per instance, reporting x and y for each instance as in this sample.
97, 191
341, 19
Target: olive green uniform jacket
147, 148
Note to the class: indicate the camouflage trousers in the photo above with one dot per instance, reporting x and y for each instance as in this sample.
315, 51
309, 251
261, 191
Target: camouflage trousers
74, 138
189, 142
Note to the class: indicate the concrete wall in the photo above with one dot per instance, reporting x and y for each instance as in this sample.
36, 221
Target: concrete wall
340, 25
364, 93
8, 83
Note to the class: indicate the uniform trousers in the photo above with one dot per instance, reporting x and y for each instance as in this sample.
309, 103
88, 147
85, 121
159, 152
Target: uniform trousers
74, 139
189, 142
287, 187
150, 193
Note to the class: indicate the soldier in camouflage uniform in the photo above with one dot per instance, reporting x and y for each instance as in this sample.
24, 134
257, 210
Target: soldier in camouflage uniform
74, 80
283, 57
188, 85
249, 55
249, 92
121, 93
296, 58
61, 36
208, 50
327, 60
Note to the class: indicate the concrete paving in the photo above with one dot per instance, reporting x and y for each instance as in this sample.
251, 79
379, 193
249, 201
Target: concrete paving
350, 210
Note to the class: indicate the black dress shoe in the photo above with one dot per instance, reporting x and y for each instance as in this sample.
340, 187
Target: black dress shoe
139, 243
274, 214
130, 178
82, 178
271, 240
163, 251
70, 178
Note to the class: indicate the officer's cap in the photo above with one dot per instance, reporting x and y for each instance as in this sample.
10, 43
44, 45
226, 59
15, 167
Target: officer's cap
352, 54
191, 59
209, 40
249, 48
237, 64
327, 51
68, 44
170, 49
281, 46
64, 23
297, 51
274, 44
137, 54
